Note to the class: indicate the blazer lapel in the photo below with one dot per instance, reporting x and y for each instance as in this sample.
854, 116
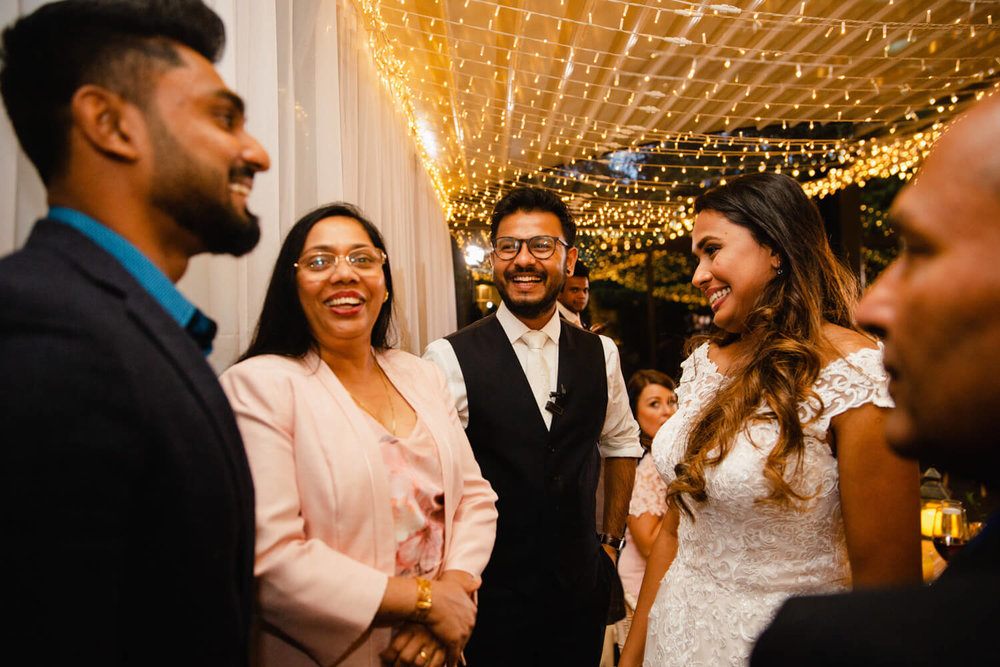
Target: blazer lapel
407, 383
367, 446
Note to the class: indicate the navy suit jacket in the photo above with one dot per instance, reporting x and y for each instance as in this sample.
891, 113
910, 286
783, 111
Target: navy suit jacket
950, 622
127, 506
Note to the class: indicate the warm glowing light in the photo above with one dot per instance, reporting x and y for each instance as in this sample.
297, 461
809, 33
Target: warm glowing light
629, 111
474, 255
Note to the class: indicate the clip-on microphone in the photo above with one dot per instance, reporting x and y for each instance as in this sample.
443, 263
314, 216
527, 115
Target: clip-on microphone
555, 401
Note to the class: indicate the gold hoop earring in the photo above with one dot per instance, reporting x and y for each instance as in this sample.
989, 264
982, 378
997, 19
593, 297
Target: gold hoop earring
386, 297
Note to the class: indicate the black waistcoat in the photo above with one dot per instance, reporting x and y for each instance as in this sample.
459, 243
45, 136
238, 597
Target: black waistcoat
545, 478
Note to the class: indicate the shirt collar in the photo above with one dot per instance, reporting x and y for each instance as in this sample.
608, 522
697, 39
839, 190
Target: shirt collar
152, 279
515, 328
568, 315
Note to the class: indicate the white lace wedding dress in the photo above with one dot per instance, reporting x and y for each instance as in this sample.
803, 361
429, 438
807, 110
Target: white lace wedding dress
740, 559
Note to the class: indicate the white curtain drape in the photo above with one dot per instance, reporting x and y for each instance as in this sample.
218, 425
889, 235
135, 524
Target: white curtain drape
315, 101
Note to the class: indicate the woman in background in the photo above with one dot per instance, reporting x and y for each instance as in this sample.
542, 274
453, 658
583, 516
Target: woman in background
651, 395
779, 478
372, 514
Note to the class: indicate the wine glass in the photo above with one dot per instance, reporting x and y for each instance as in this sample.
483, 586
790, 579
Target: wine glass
951, 529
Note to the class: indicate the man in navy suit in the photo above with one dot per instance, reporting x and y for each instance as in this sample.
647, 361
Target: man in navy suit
938, 306
127, 506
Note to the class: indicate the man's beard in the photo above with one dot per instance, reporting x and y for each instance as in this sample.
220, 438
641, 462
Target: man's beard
220, 227
182, 190
529, 310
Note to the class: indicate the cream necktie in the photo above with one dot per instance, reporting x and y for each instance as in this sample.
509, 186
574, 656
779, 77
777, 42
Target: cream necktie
535, 368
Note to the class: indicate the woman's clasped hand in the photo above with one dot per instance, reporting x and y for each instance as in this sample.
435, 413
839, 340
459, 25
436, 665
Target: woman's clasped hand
439, 639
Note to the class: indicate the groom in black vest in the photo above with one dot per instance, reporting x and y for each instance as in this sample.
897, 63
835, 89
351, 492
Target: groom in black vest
542, 401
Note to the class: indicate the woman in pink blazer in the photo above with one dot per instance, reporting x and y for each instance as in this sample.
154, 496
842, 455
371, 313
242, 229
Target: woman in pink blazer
373, 520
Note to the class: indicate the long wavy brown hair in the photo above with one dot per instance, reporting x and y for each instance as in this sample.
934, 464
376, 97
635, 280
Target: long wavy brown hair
782, 334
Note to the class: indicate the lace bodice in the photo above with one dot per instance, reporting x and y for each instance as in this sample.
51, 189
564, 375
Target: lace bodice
739, 559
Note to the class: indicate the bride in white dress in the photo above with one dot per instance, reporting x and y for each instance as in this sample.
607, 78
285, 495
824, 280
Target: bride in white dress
804, 496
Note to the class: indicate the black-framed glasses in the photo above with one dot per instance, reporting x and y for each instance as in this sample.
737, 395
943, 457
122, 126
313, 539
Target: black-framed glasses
320, 264
541, 247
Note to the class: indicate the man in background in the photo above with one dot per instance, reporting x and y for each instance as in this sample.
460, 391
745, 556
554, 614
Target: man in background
542, 401
575, 295
127, 500
938, 306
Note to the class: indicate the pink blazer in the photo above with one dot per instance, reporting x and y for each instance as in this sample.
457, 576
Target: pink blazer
325, 541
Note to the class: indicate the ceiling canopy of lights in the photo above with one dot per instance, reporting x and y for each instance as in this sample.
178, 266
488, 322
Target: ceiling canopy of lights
630, 108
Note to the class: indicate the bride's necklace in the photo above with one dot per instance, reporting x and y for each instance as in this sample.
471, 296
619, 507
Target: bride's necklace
388, 397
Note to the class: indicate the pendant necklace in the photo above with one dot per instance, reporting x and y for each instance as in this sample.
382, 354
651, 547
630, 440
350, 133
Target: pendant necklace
388, 397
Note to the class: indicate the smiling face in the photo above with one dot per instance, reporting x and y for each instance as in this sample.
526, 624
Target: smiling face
655, 405
575, 293
939, 303
528, 285
204, 161
733, 268
341, 306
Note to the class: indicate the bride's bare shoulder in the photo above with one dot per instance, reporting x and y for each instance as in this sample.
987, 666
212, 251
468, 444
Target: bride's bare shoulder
841, 341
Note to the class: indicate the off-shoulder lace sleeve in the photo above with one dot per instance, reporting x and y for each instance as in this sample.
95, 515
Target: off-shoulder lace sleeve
694, 370
649, 491
852, 381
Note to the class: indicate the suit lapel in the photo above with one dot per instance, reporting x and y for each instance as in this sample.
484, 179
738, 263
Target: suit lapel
107, 273
184, 354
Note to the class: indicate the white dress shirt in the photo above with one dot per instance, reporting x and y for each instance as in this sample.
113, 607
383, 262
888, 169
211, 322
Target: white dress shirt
620, 434
569, 315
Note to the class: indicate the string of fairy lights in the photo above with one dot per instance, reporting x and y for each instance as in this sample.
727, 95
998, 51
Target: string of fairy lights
630, 108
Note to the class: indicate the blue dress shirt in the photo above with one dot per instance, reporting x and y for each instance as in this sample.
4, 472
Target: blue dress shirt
153, 280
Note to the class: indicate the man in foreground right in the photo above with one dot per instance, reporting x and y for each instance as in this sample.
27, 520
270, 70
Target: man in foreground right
938, 307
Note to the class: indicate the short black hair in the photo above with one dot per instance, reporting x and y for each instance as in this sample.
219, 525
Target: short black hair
529, 199
116, 44
282, 327
580, 270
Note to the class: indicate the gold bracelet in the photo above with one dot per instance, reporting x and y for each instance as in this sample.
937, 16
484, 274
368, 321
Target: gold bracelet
423, 600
